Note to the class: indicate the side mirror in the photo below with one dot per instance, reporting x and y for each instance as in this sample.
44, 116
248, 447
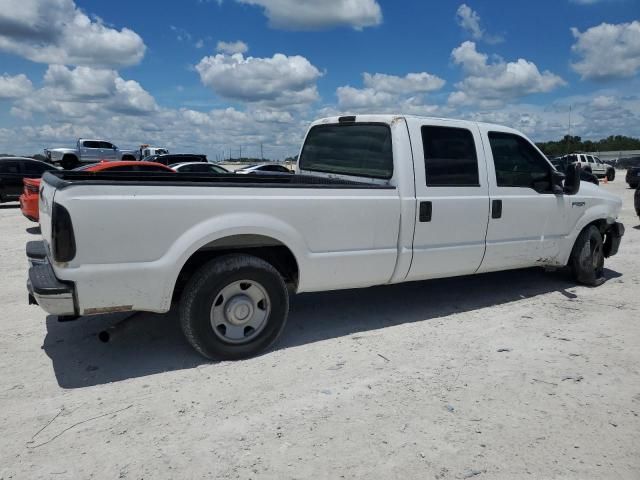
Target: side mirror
557, 185
572, 179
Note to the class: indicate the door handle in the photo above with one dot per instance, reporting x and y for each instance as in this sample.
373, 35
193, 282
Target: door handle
426, 209
496, 209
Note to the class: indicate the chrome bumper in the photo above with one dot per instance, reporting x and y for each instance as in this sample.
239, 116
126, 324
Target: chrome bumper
52, 295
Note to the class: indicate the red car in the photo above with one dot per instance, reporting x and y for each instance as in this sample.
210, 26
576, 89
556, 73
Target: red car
29, 197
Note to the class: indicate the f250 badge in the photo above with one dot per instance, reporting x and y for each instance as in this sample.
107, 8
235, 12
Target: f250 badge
578, 204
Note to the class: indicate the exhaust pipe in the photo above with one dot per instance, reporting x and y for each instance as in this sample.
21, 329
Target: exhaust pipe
107, 335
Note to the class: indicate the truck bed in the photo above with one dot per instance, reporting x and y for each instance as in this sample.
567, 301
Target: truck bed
64, 179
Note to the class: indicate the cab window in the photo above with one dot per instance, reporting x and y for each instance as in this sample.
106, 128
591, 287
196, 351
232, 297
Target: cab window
450, 158
358, 149
518, 163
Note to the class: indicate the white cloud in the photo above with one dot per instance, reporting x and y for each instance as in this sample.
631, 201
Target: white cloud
390, 93
280, 80
318, 15
498, 82
85, 93
469, 20
14, 87
232, 47
607, 51
411, 83
56, 31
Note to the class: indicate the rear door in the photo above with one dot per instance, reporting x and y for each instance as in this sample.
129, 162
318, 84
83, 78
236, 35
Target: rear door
108, 151
527, 221
452, 197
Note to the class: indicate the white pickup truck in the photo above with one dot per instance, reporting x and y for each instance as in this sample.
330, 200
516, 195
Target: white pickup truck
92, 151
377, 199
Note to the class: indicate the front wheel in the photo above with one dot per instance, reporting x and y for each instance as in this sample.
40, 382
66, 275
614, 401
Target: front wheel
234, 307
611, 175
587, 257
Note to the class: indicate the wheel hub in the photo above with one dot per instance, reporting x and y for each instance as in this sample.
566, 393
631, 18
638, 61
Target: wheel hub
239, 310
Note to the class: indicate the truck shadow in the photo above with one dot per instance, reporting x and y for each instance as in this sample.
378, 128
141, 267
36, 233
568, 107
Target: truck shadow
154, 344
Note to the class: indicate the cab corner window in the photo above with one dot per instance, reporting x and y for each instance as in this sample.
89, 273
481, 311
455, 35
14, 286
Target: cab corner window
518, 163
360, 149
450, 157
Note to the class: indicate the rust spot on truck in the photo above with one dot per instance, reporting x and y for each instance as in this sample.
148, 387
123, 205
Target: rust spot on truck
95, 311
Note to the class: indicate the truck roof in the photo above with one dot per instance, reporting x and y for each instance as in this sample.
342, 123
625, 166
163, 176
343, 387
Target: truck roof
389, 118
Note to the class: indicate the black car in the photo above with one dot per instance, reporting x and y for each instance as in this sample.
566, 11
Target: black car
636, 201
13, 170
171, 158
633, 177
562, 164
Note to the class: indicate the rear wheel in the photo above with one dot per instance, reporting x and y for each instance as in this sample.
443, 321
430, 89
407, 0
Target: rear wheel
234, 307
587, 257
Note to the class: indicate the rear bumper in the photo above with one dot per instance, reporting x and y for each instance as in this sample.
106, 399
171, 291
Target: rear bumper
52, 295
613, 238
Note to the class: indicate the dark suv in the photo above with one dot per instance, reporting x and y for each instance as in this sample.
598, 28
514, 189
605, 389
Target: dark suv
13, 170
171, 158
633, 177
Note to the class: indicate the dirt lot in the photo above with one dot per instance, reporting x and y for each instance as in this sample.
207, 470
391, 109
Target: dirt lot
509, 375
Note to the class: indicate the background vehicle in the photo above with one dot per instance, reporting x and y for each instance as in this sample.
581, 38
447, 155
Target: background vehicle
147, 151
13, 170
562, 164
198, 167
636, 201
29, 197
633, 177
173, 158
263, 168
378, 199
87, 151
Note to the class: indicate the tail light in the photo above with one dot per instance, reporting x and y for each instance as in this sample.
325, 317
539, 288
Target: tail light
62, 237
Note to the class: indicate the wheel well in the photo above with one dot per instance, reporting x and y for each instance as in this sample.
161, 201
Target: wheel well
128, 157
70, 156
268, 249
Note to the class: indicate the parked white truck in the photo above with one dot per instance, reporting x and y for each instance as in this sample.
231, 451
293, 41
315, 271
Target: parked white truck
377, 199
92, 151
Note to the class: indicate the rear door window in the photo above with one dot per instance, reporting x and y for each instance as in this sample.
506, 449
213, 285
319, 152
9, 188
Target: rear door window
357, 149
450, 157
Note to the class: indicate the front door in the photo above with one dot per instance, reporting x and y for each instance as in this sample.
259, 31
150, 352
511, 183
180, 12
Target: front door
527, 221
452, 199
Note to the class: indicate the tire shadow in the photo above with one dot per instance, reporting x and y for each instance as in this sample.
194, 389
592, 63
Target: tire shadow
153, 343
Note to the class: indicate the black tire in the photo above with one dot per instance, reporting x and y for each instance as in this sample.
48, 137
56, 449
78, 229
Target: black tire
128, 158
611, 175
69, 162
587, 257
205, 287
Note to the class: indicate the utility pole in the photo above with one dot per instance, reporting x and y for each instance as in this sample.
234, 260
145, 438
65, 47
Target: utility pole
261, 152
240, 152
569, 138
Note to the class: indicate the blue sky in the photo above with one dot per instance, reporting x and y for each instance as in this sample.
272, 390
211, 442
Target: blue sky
133, 72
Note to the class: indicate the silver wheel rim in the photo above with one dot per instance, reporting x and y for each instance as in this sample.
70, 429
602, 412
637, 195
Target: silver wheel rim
240, 311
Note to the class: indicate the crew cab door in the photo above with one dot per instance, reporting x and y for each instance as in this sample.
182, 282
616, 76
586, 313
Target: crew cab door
527, 222
452, 198
89, 151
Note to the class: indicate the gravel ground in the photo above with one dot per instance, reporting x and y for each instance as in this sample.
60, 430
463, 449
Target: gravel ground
507, 375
